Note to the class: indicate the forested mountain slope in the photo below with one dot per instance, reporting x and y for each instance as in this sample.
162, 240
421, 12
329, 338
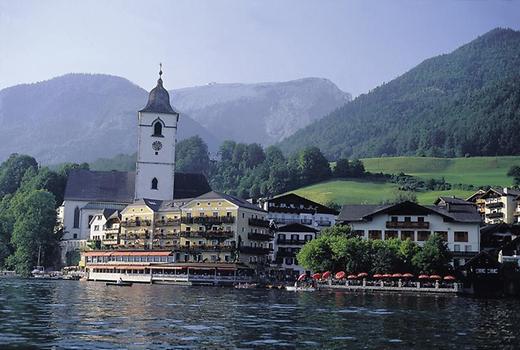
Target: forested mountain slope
465, 102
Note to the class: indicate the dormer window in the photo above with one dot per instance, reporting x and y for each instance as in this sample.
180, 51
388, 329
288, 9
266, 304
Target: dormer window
157, 129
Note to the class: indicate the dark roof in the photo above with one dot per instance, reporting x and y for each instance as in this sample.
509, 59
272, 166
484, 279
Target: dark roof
350, 213
159, 100
230, 198
501, 192
476, 195
119, 186
452, 200
292, 198
100, 186
500, 228
296, 227
190, 185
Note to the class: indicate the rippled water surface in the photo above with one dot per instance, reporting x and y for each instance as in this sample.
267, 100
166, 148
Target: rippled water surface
85, 315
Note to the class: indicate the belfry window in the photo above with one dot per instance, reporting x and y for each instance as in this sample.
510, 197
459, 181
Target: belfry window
157, 129
76, 217
155, 183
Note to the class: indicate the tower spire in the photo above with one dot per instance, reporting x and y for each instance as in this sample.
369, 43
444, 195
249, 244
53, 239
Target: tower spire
160, 70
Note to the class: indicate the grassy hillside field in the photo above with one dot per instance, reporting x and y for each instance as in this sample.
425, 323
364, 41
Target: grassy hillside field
361, 192
478, 171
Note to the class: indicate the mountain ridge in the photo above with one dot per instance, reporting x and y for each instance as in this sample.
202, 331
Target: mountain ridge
85, 116
441, 107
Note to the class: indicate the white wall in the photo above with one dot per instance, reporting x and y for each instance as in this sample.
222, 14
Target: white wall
150, 164
436, 224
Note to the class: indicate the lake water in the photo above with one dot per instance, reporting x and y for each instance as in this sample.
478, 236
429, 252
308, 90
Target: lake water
90, 315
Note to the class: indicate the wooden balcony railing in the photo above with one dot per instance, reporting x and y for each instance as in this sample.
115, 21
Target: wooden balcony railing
408, 224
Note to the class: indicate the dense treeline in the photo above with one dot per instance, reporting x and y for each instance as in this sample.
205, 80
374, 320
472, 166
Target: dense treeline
336, 249
463, 103
29, 196
247, 170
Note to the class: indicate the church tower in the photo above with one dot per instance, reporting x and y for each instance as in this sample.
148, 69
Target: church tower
156, 138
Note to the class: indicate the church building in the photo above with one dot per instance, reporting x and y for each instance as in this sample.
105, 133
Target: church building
89, 193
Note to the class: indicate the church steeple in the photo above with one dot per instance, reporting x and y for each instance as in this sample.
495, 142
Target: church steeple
159, 98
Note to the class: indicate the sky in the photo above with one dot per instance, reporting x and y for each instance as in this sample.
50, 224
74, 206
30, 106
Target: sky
356, 44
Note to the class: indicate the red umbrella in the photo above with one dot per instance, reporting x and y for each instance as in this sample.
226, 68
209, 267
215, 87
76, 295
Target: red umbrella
325, 275
423, 277
352, 277
397, 275
449, 278
302, 277
387, 275
377, 275
362, 274
340, 275
435, 277
407, 275
316, 276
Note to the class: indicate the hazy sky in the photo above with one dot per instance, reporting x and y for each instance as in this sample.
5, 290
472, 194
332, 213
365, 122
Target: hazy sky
356, 44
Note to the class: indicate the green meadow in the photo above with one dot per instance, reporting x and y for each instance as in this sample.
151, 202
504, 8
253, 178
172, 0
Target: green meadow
363, 192
478, 171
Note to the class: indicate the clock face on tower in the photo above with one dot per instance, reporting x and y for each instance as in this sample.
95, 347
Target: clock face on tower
157, 145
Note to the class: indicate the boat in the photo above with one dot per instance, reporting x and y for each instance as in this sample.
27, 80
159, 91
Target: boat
246, 286
300, 289
120, 284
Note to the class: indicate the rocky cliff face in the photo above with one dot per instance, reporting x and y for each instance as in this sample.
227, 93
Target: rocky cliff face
82, 117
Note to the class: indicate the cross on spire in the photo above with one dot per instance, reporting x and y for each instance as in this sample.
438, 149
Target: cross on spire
160, 70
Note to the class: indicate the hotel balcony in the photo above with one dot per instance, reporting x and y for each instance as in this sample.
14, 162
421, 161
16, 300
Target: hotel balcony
255, 250
110, 242
324, 223
136, 223
258, 222
260, 236
169, 222
285, 254
291, 241
286, 221
208, 220
207, 234
205, 248
495, 215
408, 224
494, 205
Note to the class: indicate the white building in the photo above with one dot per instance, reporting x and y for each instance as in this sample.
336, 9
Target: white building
89, 193
500, 205
289, 240
157, 136
291, 208
455, 219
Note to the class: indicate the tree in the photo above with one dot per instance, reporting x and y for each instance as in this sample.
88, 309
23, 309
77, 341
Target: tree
342, 168
33, 232
434, 257
192, 156
313, 166
514, 171
13, 170
357, 168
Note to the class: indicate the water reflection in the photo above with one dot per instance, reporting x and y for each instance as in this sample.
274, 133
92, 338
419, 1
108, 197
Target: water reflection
66, 314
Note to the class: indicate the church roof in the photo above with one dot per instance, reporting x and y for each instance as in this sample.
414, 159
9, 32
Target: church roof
159, 100
119, 186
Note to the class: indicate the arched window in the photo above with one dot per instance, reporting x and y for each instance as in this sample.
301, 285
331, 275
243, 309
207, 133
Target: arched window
76, 217
157, 129
155, 182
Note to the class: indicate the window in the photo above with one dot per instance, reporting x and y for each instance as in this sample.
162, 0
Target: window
407, 219
281, 237
468, 248
215, 214
460, 236
442, 234
374, 234
359, 233
75, 236
456, 247
423, 235
90, 217
155, 183
96, 227
157, 129
76, 218
420, 219
394, 219
389, 234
